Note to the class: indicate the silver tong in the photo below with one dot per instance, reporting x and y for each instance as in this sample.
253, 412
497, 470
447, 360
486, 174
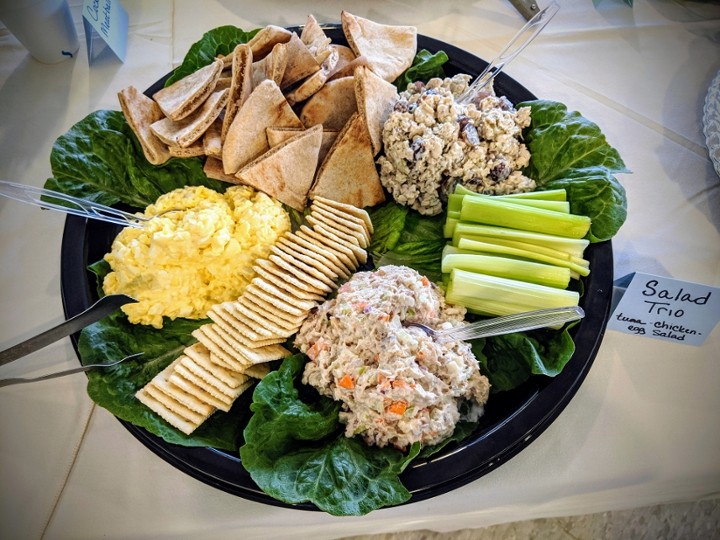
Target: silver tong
101, 308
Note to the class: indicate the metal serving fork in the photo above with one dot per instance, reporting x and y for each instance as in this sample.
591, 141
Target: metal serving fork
530, 320
80, 207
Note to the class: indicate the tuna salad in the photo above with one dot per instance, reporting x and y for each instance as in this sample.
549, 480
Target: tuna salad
397, 384
432, 142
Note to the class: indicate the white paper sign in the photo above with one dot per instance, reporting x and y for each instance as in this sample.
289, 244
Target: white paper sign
668, 309
106, 25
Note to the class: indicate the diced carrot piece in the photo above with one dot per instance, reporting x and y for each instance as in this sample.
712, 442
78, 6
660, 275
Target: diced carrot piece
346, 381
316, 348
398, 407
399, 383
425, 281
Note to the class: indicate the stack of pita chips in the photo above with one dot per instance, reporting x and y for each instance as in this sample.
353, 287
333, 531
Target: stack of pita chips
234, 349
295, 116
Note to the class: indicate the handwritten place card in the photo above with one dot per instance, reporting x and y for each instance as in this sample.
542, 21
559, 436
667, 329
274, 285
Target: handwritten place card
106, 25
667, 309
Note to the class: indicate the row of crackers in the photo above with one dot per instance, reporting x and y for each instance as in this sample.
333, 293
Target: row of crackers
235, 348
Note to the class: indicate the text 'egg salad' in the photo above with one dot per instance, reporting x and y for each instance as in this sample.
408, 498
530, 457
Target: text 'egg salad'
182, 263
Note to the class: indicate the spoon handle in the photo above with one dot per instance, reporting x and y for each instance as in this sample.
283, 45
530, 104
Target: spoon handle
516, 45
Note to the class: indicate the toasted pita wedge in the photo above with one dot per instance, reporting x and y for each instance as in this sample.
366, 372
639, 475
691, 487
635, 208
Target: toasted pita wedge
185, 132
286, 172
271, 67
346, 63
140, 112
240, 84
375, 100
316, 40
245, 140
263, 42
332, 106
276, 136
212, 138
307, 88
196, 149
301, 62
213, 168
227, 60
389, 49
348, 174
183, 97
222, 83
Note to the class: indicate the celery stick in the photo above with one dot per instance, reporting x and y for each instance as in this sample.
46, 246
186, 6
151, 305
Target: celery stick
449, 228
455, 214
480, 291
532, 272
494, 211
575, 247
547, 195
454, 202
556, 206
449, 249
527, 246
487, 247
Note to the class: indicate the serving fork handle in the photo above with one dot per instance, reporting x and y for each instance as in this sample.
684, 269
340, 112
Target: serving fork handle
514, 47
68, 204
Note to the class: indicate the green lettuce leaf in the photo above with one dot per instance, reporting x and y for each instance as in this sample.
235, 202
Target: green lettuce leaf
569, 151
388, 222
101, 160
295, 451
425, 66
595, 192
114, 388
405, 237
510, 360
218, 41
560, 141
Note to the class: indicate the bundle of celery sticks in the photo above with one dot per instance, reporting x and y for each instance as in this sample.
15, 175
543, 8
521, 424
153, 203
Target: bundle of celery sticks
512, 253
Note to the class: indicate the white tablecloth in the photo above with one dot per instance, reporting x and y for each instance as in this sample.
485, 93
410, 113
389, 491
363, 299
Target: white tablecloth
643, 427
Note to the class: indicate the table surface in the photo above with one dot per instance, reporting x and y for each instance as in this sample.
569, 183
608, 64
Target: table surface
641, 430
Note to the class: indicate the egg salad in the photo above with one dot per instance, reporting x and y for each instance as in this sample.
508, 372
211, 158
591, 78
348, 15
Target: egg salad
182, 263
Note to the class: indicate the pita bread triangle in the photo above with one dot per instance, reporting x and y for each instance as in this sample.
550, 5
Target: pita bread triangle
182, 97
240, 84
286, 172
269, 36
375, 100
141, 112
300, 64
187, 131
245, 140
389, 49
348, 174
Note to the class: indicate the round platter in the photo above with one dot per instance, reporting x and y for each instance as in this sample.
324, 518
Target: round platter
512, 419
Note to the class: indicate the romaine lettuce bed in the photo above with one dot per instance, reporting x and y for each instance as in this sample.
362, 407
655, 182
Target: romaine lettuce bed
292, 443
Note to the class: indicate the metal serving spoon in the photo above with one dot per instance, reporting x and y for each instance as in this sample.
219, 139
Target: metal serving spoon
514, 47
80, 207
530, 320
